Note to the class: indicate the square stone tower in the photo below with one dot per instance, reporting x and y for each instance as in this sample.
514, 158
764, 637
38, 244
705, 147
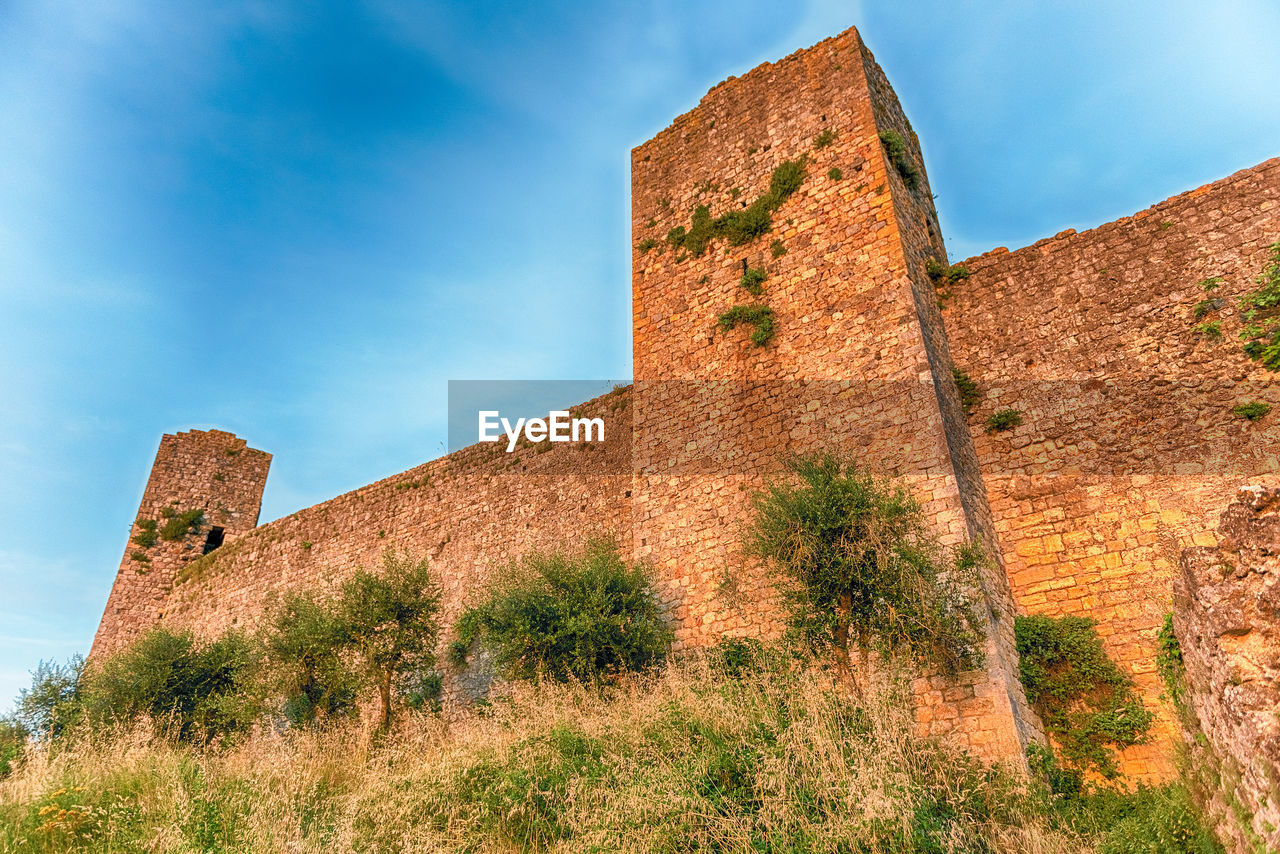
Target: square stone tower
842, 349
205, 489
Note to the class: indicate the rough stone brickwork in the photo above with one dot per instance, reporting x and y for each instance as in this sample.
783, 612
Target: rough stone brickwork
1128, 449
856, 362
1227, 621
208, 470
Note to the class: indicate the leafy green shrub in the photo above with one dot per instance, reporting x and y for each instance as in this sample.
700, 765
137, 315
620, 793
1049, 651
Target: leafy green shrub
1003, 419
759, 316
743, 225
53, 702
776, 249
13, 740
1211, 329
1159, 821
753, 280
824, 139
178, 525
389, 621
859, 569
970, 394
1261, 308
587, 617
895, 148
1209, 284
835, 173
201, 690
304, 666
1087, 703
1252, 411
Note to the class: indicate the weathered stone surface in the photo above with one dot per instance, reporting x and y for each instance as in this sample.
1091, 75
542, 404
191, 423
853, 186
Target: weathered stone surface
1128, 450
1227, 618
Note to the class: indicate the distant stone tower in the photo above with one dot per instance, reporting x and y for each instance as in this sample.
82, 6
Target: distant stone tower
849, 352
205, 489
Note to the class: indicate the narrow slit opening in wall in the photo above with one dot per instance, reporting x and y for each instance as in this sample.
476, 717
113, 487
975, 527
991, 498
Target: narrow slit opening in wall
212, 541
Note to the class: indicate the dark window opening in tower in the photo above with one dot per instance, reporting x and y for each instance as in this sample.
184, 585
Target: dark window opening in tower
212, 541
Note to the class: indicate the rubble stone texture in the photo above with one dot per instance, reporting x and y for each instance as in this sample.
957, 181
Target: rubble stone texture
1126, 451
1227, 619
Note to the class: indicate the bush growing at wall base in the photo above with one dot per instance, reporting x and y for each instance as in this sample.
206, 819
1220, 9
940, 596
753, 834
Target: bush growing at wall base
584, 617
389, 622
53, 701
1087, 703
13, 739
859, 570
198, 690
304, 667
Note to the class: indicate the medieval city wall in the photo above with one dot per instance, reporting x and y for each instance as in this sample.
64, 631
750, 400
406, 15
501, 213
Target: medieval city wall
1127, 452
1128, 449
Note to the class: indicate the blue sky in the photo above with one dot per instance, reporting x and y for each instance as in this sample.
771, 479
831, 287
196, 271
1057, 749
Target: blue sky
298, 220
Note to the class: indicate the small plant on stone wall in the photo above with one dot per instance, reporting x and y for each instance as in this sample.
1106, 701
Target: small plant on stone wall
895, 148
940, 273
1169, 661
776, 249
1210, 284
743, 225
1003, 419
825, 138
835, 174
968, 389
179, 524
646, 244
148, 533
140, 557
753, 281
759, 316
1261, 308
1252, 411
1205, 306
1211, 329
1087, 703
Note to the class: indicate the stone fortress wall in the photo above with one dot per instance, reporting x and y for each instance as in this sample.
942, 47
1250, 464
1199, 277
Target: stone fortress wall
1127, 450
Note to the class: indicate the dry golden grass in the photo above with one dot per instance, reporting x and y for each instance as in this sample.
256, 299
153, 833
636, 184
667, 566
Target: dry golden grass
689, 760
